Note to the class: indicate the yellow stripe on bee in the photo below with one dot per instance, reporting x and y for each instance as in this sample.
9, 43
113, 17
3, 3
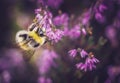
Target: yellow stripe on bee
24, 46
37, 38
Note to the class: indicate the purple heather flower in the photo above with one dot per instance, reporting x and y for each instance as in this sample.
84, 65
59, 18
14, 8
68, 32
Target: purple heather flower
86, 17
74, 32
44, 18
102, 8
44, 80
83, 53
73, 52
99, 17
88, 65
92, 60
46, 60
81, 66
54, 36
61, 20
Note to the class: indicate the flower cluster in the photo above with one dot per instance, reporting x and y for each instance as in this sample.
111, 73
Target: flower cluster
55, 35
90, 60
44, 19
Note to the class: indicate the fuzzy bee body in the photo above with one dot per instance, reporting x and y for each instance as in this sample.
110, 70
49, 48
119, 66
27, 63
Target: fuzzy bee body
32, 38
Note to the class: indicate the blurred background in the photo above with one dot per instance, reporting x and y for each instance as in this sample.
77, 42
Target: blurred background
15, 66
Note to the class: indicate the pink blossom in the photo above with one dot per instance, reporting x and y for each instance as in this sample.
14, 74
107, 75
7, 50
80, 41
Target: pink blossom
83, 53
54, 36
73, 52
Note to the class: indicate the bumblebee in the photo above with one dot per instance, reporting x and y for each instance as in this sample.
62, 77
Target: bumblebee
32, 38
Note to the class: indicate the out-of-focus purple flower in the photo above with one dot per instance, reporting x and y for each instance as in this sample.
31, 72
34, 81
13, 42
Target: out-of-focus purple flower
110, 32
73, 52
15, 56
83, 53
54, 36
51, 3
6, 76
74, 32
44, 80
108, 80
111, 35
85, 17
102, 8
61, 20
46, 60
113, 71
99, 17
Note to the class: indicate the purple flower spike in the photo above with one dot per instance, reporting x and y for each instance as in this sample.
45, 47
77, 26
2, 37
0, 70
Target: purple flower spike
73, 52
83, 53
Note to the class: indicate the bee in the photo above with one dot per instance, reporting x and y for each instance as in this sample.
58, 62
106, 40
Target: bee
32, 38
